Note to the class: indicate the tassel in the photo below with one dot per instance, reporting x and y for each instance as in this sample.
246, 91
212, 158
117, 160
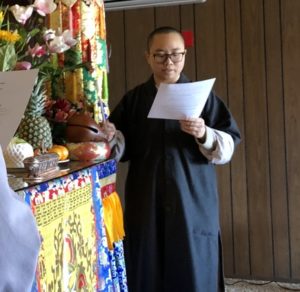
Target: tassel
113, 219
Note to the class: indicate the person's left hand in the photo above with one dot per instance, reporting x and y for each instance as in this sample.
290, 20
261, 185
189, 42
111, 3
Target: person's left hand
109, 129
194, 126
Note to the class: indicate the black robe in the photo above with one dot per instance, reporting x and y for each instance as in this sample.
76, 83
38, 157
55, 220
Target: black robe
171, 219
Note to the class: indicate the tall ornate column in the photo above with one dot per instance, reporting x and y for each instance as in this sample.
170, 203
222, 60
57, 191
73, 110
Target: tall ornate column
86, 21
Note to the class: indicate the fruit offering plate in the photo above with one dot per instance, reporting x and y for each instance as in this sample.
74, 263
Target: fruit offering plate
63, 161
89, 151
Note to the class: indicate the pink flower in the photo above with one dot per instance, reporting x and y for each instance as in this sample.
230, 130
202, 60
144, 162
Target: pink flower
37, 51
44, 7
21, 13
72, 112
23, 65
60, 116
63, 104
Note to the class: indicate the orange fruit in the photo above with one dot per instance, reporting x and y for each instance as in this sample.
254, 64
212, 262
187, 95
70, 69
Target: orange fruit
65, 152
60, 150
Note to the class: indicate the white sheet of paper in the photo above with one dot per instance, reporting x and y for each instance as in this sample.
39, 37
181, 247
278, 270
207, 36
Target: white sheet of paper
181, 100
15, 91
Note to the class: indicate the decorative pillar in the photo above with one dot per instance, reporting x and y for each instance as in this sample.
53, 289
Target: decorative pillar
86, 21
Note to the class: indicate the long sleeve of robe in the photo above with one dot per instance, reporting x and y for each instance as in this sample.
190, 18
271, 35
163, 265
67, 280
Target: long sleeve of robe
171, 219
19, 239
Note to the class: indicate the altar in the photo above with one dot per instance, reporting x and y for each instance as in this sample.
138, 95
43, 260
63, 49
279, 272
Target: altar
79, 220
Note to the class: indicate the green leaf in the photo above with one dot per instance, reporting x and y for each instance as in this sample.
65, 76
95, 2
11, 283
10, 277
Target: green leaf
16, 140
8, 57
33, 32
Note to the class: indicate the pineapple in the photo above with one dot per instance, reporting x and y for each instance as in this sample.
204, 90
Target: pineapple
34, 128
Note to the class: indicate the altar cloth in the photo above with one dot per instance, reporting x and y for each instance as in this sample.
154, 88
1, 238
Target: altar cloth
74, 254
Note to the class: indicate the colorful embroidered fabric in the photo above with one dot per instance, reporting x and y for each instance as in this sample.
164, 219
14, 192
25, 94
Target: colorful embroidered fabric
74, 254
86, 21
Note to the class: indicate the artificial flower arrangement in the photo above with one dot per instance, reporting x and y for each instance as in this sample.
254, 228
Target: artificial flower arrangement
26, 43
57, 112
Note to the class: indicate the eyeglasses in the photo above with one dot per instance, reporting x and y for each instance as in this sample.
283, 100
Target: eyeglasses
174, 57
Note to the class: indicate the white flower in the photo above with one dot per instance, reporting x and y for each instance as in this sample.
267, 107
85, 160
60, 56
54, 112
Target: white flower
49, 35
57, 45
61, 42
21, 13
44, 7
68, 38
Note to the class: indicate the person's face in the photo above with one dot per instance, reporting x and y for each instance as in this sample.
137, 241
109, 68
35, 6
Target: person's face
164, 69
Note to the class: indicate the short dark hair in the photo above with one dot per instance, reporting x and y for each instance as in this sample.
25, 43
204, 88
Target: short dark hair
161, 30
